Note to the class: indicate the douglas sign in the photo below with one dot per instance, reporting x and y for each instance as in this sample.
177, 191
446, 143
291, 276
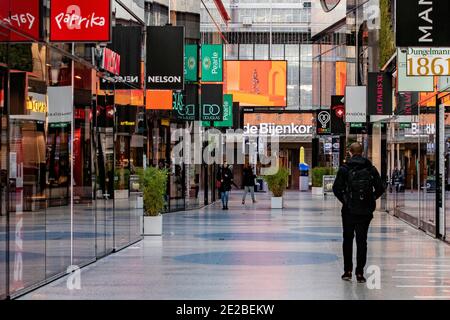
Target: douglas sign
80, 21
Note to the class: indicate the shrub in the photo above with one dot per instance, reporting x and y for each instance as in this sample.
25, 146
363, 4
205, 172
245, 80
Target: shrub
277, 183
318, 173
153, 184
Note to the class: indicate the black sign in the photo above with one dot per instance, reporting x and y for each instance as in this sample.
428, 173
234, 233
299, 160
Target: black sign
407, 104
185, 104
165, 58
127, 43
423, 23
323, 122
379, 94
211, 108
338, 115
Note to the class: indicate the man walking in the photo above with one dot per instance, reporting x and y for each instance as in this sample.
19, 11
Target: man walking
249, 183
358, 185
225, 180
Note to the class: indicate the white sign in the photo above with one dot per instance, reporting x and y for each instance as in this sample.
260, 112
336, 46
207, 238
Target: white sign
428, 62
411, 84
356, 104
60, 104
273, 129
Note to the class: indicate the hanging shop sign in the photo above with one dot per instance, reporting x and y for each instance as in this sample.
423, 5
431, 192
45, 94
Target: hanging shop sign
126, 41
80, 21
191, 63
36, 103
227, 112
185, 104
428, 62
421, 23
107, 60
379, 94
159, 100
165, 58
323, 122
60, 104
411, 84
21, 20
407, 104
211, 108
212, 63
338, 115
356, 104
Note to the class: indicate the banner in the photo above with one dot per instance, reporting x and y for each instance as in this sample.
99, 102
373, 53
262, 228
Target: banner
422, 23
379, 94
80, 21
191, 63
356, 104
185, 104
126, 41
60, 104
211, 108
411, 84
227, 112
407, 104
159, 100
107, 60
165, 58
338, 115
22, 20
212, 63
256, 83
323, 122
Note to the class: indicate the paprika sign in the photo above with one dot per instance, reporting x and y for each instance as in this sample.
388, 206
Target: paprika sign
22, 20
80, 21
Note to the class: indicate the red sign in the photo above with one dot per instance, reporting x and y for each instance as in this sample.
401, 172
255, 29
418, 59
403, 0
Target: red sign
80, 20
111, 61
20, 20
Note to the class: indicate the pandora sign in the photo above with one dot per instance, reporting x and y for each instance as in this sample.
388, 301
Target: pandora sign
80, 20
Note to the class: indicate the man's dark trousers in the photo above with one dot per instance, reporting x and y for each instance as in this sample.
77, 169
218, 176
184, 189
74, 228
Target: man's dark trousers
360, 228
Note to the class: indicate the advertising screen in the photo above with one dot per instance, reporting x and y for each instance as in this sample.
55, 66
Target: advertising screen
256, 83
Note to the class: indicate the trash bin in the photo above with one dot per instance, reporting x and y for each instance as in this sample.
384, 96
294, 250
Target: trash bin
304, 177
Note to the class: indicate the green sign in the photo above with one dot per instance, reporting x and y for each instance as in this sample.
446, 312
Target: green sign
227, 112
190, 63
357, 125
205, 123
405, 125
212, 63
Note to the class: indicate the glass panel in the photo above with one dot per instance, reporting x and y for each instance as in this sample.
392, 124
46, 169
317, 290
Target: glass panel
3, 181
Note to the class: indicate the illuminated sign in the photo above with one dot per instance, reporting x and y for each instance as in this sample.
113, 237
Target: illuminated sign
36, 106
22, 20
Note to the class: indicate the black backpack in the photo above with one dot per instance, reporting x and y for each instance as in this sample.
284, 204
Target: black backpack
360, 191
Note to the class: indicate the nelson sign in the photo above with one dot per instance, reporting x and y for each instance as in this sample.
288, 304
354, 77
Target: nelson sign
421, 23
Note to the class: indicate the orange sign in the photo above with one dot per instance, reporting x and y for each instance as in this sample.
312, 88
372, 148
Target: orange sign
256, 83
278, 118
159, 99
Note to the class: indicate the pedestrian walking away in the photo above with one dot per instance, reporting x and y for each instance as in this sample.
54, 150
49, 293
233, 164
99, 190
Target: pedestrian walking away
249, 183
225, 181
357, 186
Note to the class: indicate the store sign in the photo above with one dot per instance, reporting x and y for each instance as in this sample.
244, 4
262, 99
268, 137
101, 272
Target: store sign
165, 58
191, 63
356, 104
323, 122
227, 112
411, 84
185, 104
428, 62
211, 108
126, 41
421, 23
273, 129
379, 94
212, 63
80, 21
338, 115
417, 129
407, 104
36, 103
21, 20
107, 60
60, 104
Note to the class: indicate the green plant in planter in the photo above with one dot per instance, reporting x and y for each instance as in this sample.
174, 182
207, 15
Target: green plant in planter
153, 184
318, 173
277, 183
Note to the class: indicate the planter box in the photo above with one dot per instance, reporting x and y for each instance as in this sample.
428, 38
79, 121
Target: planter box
153, 226
317, 191
277, 203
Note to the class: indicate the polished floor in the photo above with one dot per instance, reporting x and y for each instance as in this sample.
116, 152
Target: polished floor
252, 252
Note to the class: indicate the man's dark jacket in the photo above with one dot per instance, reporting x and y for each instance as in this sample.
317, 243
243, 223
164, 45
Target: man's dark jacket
340, 186
249, 177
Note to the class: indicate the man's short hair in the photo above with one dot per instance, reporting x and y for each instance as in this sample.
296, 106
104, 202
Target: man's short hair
356, 149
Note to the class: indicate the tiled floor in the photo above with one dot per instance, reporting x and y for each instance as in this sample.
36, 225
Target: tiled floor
251, 252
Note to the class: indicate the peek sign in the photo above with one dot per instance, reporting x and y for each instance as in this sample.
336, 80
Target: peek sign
80, 21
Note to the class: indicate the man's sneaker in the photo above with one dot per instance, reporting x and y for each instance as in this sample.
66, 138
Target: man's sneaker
360, 278
347, 276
